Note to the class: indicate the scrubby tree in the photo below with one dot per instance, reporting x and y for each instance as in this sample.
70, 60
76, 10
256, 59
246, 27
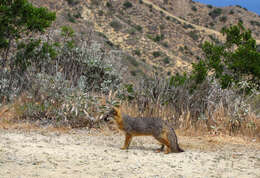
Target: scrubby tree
18, 19
234, 61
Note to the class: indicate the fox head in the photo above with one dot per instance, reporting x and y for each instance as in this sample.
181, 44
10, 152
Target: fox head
113, 113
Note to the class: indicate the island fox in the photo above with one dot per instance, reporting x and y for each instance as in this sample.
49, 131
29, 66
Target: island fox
155, 127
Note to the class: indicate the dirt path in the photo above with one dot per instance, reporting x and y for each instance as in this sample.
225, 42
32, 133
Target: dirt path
200, 28
83, 154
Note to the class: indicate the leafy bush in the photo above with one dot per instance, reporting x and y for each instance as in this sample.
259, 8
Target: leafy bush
194, 8
137, 52
56, 102
231, 12
132, 60
187, 26
139, 28
72, 2
127, 4
234, 61
255, 23
14, 16
166, 60
194, 35
165, 44
156, 54
156, 38
71, 18
209, 6
132, 31
86, 62
116, 25
223, 19
215, 13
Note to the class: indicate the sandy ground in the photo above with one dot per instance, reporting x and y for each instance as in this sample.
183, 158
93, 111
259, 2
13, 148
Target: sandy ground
81, 153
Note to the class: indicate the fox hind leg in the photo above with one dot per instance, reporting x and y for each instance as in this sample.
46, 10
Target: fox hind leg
160, 149
128, 139
163, 139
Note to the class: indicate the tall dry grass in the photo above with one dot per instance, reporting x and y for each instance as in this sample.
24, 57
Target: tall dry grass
207, 110
213, 122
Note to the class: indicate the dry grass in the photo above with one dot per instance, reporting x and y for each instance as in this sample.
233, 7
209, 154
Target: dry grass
215, 127
216, 124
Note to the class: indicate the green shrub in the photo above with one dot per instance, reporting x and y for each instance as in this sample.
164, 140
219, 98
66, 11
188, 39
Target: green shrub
166, 60
133, 72
157, 38
116, 25
95, 2
211, 24
187, 26
108, 4
156, 54
255, 23
100, 13
60, 103
209, 6
194, 8
71, 18
127, 4
214, 39
194, 35
132, 60
231, 67
223, 19
231, 12
139, 28
131, 31
165, 44
72, 2
137, 52
19, 19
215, 13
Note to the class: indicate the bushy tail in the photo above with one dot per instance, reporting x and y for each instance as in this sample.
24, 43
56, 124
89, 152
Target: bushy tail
174, 142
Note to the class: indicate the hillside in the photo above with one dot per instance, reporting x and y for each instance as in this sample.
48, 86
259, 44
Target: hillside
162, 36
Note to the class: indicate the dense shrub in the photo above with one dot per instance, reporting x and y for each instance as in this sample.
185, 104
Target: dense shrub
215, 13
127, 4
194, 8
166, 60
156, 54
20, 18
231, 12
139, 28
194, 35
56, 102
116, 25
223, 19
72, 2
255, 23
209, 6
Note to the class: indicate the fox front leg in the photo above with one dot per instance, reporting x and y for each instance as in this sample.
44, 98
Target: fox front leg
128, 139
